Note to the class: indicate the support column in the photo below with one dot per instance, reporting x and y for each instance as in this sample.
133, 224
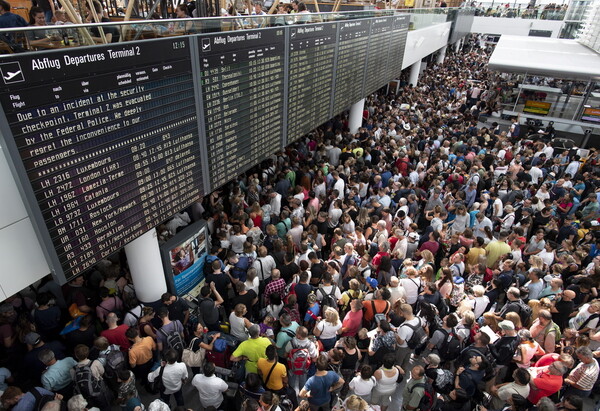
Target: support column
441, 55
415, 71
457, 46
145, 263
356, 113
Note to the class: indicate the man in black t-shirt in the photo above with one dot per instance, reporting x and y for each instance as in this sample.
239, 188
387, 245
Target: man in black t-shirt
245, 297
177, 306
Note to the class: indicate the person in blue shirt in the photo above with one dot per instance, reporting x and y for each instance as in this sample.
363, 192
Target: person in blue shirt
57, 376
8, 19
319, 387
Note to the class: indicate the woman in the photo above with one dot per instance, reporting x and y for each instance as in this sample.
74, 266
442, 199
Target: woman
352, 357
238, 323
145, 323
197, 343
445, 284
527, 349
348, 226
328, 329
461, 220
269, 401
387, 378
256, 214
491, 321
382, 343
386, 271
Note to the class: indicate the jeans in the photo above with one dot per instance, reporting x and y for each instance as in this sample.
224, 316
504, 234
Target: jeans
328, 343
297, 381
167, 397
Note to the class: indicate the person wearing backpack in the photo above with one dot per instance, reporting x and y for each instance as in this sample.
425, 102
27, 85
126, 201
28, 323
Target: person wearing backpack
174, 374
89, 382
515, 304
170, 335
321, 385
415, 390
109, 304
301, 353
32, 400
406, 333
445, 341
328, 294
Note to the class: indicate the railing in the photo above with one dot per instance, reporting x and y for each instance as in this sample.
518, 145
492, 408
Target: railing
35, 38
522, 12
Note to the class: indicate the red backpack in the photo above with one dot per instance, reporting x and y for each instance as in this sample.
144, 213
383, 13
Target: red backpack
299, 361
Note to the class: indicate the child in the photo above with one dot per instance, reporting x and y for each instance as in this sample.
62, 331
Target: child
313, 311
127, 389
363, 384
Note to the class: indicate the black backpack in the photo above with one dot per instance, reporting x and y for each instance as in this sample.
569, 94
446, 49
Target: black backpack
174, 339
42, 399
525, 313
86, 384
418, 338
114, 361
427, 402
451, 346
328, 300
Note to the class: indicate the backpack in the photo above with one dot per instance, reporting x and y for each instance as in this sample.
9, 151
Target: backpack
299, 361
525, 313
41, 399
174, 339
114, 360
450, 349
418, 338
241, 268
428, 399
328, 300
444, 381
85, 383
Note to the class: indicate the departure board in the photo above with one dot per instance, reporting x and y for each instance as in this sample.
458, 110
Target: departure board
105, 140
242, 76
312, 57
397, 46
378, 53
353, 42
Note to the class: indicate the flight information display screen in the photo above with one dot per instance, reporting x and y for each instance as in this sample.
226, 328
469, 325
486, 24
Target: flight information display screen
105, 140
378, 53
242, 76
397, 46
353, 42
312, 58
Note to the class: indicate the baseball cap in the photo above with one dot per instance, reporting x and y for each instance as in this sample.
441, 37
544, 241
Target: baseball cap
372, 282
506, 325
32, 338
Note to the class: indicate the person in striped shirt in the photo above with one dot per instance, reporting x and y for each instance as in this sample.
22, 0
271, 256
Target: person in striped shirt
583, 377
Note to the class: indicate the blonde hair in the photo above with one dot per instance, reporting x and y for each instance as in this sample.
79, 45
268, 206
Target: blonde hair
535, 308
427, 256
355, 403
515, 319
332, 316
478, 291
239, 310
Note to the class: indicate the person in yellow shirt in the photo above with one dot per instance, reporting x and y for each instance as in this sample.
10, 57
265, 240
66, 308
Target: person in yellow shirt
272, 372
252, 349
497, 248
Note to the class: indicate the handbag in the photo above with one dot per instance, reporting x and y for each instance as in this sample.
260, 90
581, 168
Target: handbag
193, 358
157, 385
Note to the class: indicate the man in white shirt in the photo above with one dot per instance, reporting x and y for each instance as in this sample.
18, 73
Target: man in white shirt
481, 221
535, 173
264, 264
275, 205
405, 332
339, 184
174, 375
210, 387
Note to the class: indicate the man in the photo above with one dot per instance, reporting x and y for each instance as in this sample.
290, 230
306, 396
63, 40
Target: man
220, 279
210, 387
590, 211
405, 333
264, 264
285, 335
57, 377
562, 308
582, 378
545, 381
272, 372
535, 285
545, 331
413, 391
535, 245
8, 19
20, 401
481, 221
209, 308
178, 307
253, 349
504, 348
514, 304
276, 286
301, 342
109, 304
101, 397
168, 328
497, 248
115, 334
502, 392
141, 354
31, 365
174, 375
321, 385
441, 336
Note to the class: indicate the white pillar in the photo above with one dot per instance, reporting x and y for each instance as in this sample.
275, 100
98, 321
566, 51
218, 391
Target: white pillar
457, 46
415, 70
441, 55
145, 263
356, 113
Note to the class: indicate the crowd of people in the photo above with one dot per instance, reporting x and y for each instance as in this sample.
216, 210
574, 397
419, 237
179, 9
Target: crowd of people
426, 262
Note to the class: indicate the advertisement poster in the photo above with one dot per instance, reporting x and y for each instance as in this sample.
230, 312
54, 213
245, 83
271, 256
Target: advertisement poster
186, 254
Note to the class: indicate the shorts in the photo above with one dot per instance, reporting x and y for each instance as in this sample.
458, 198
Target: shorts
381, 399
